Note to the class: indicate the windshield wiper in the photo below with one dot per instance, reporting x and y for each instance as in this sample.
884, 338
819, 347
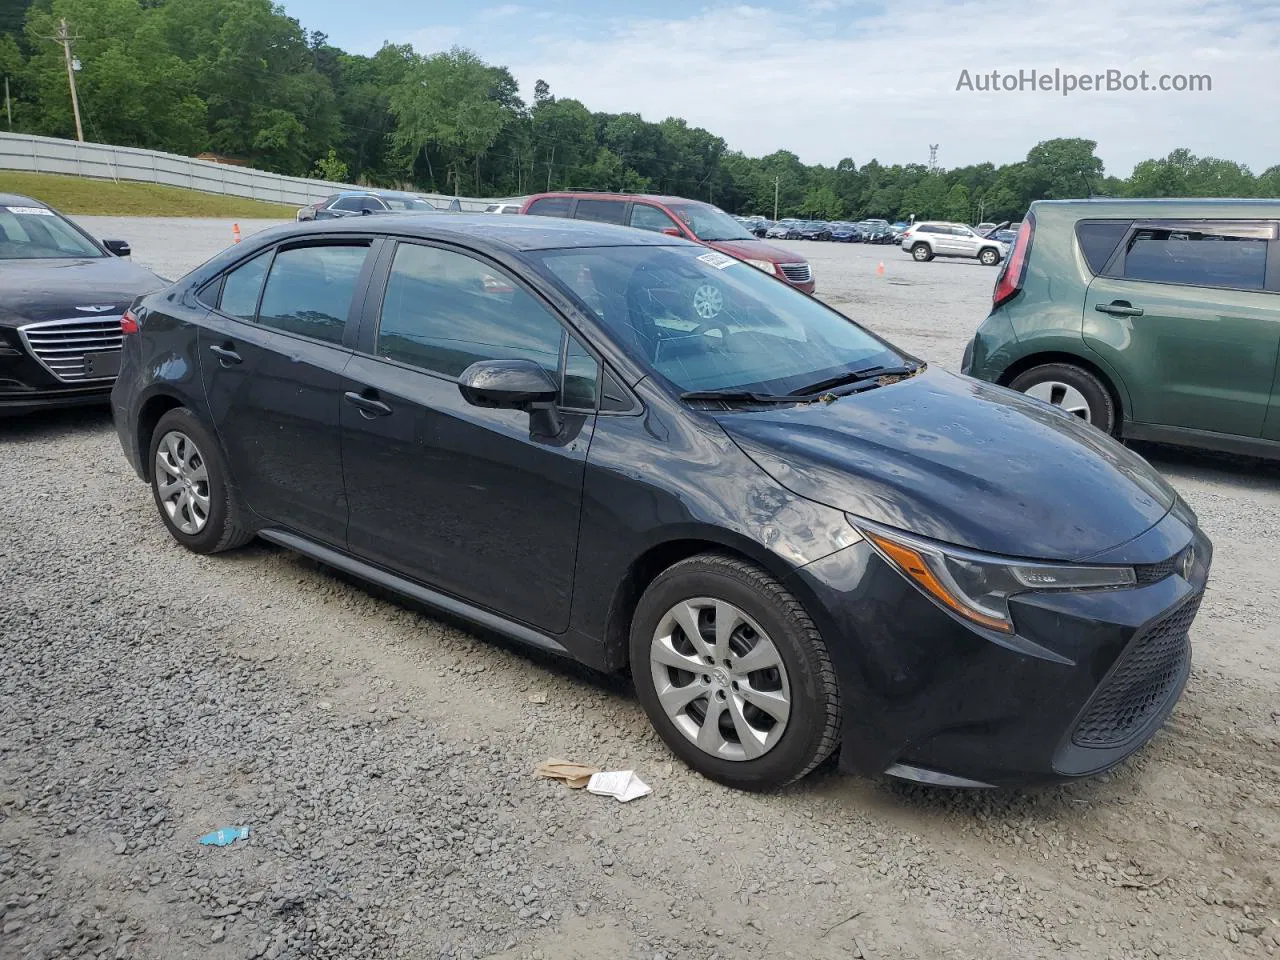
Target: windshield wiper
853, 376
737, 396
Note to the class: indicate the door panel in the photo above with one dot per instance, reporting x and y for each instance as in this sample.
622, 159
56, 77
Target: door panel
1199, 357
276, 413
462, 498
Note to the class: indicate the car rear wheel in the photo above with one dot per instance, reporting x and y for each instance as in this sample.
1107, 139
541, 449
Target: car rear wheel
921, 253
191, 488
989, 257
733, 673
1073, 389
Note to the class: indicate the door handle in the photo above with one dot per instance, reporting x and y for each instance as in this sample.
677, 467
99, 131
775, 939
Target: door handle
226, 355
369, 407
1118, 308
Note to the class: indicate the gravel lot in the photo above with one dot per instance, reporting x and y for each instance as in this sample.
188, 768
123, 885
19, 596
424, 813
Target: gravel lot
383, 758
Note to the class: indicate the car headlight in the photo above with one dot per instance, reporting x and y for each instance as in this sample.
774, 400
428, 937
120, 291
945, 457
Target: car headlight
765, 265
978, 587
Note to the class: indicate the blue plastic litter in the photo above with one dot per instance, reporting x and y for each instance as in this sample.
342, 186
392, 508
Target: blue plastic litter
225, 837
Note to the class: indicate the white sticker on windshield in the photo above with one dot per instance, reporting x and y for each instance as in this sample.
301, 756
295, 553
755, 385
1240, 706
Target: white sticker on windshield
30, 211
717, 260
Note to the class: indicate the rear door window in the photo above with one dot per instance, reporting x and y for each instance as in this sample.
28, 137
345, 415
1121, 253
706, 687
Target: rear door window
603, 211
1199, 256
648, 217
551, 207
346, 203
1098, 240
310, 289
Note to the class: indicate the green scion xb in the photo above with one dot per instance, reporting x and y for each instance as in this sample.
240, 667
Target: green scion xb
1151, 319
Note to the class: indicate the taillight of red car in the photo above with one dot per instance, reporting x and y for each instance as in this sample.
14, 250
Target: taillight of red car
1009, 281
128, 323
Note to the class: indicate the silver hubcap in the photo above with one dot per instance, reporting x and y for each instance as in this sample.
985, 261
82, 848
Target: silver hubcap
708, 301
720, 679
922, 253
988, 257
1062, 395
182, 482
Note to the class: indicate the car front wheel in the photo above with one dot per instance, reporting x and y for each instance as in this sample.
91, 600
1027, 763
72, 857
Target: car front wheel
989, 257
191, 486
1073, 389
921, 253
733, 673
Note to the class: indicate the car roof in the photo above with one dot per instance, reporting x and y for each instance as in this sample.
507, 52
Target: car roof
1198, 207
18, 200
514, 233
594, 195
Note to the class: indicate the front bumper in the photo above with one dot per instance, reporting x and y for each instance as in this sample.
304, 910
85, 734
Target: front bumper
27, 387
1087, 680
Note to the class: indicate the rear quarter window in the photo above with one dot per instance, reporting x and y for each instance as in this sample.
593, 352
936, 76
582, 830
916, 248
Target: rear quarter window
1098, 240
551, 207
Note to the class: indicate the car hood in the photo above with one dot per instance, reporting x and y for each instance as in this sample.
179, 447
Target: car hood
960, 461
753, 250
32, 290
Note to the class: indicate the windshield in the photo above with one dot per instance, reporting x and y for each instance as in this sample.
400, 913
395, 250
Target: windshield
37, 233
407, 203
708, 222
705, 321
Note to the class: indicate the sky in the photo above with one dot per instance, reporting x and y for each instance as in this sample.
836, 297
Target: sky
829, 79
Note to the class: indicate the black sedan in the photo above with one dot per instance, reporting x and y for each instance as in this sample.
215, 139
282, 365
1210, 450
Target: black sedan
636, 452
355, 203
815, 230
62, 295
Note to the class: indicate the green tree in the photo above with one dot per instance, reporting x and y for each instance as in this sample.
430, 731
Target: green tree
956, 207
330, 168
447, 105
1061, 169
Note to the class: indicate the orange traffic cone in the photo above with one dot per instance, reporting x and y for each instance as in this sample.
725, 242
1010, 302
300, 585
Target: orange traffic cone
880, 269
235, 232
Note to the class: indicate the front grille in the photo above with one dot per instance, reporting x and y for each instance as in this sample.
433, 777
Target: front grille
1153, 572
796, 272
61, 345
1141, 682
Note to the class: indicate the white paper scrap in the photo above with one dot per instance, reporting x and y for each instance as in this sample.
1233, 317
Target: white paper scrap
718, 260
623, 785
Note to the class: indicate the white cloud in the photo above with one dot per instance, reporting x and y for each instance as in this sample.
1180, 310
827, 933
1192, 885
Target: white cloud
879, 78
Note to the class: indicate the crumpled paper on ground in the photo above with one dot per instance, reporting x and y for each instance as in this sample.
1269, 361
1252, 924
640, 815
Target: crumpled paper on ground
623, 785
576, 775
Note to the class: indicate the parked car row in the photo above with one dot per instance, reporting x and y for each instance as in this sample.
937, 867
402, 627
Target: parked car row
865, 231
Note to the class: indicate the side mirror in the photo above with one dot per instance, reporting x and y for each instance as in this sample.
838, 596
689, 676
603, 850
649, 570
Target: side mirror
120, 248
672, 232
507, 385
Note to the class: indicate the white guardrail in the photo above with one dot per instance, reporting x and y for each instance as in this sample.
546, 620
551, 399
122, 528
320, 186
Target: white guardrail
104, 162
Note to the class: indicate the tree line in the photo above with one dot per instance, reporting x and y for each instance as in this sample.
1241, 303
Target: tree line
241, 79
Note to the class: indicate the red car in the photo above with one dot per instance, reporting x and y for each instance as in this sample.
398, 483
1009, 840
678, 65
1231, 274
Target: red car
699, 222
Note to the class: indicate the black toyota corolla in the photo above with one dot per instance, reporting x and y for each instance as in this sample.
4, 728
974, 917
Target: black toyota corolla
645, 455
61, 297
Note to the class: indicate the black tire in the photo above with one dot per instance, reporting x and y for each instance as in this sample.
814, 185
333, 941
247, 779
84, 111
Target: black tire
989, 256
812, 728
1101, 404
224, 527
921, 253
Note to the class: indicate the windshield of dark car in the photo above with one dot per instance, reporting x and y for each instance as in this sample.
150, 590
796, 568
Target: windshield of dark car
37, 233
705, 321
709, 223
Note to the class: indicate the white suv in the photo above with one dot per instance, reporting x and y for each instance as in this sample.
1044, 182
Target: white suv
932, 238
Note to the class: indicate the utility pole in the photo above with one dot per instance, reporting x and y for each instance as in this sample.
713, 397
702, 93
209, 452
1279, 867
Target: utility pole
8, 104
775, 199
64, 37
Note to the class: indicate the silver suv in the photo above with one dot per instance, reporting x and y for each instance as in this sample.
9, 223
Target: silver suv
932, 238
